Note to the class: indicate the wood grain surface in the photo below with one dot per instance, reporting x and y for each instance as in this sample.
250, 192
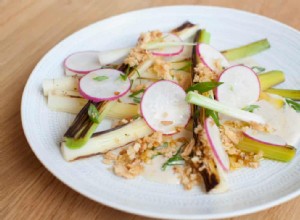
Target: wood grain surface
28, 29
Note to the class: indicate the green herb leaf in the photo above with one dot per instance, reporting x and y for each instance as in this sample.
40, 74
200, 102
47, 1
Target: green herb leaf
204, 86
214, 115
135, 69
136, 99
250, 108
258, 69
94, 114
174, 160
136, 116
186, 67
293, 104
136, 93
100, 78
123, 77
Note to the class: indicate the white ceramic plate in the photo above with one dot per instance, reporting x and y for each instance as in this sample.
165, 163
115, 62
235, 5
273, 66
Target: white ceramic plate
251, 189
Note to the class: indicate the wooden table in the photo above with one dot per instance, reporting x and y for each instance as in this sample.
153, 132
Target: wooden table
28, 30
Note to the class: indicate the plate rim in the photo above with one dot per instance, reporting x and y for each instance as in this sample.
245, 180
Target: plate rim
129, 209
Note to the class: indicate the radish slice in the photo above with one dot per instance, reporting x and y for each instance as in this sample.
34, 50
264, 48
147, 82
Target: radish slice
103, 84
82, 62
171, 50
241, 86
214, 138
211, 57
265, 138
164, 108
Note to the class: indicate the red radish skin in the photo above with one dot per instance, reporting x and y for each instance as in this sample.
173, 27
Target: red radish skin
146, 117
65, 63
224, 163
203, 56
165, 54
256, 138
112, 86
218, 89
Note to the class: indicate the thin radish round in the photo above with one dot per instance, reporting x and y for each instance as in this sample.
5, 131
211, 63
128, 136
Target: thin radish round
265, 138
82, 62
211, 57
169, 50
103, 84
241, 86
164, 108
214, 138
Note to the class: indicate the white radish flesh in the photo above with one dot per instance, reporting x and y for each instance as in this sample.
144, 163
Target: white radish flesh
241, 86
103, 84
82, 62
164, 108
265, 138
169, 50
214, 138
211, 57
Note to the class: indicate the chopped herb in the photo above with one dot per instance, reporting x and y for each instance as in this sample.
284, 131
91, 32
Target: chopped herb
293, 104
136, 93
136, 99
125, 75
186, 67
136, 70
214, 115
258, 69
136, 116
93, 113
176, 159
100, 78
155, 155
204, 86
250, 108
165, 144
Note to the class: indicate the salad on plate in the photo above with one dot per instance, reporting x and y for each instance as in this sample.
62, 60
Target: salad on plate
181, 111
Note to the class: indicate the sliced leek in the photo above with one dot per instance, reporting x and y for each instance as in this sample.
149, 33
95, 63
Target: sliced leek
274, 152
246, 50
286, 93
73, 105
270, 79
108, 140
277, 102
197, 99
65, 83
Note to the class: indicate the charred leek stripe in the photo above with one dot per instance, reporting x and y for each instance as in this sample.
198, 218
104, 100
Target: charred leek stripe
286, 93
247, 50
83, 127
207, 167
186, 30
270, 79
197, 99
108, 140
273, 152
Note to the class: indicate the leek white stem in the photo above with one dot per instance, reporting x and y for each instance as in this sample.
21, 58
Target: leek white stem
158, 45
108, 140
197, 99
